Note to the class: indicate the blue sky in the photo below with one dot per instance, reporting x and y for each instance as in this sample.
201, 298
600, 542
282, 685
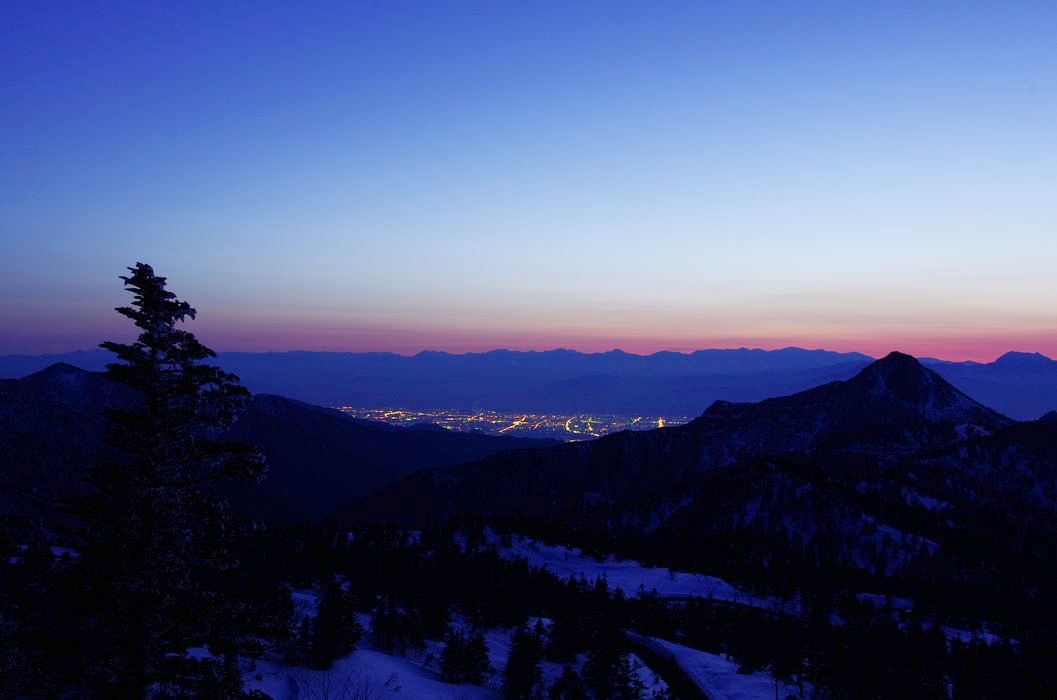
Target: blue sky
397, 176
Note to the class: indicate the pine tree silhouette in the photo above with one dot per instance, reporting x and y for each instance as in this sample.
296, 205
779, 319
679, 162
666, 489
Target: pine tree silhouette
568, 686
337, 630
523, 675
160, 544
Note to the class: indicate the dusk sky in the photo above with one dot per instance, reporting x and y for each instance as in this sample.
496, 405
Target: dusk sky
465, 176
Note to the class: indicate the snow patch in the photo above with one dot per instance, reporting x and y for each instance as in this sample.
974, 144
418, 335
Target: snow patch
716, 676
629, 577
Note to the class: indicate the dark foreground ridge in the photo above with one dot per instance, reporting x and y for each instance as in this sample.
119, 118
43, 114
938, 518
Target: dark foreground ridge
52, 426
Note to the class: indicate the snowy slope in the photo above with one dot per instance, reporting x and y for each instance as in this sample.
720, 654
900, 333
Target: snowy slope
366, 674
717, 677
628, 576
370, 674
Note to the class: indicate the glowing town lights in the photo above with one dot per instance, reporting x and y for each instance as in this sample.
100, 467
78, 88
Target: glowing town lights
580, 426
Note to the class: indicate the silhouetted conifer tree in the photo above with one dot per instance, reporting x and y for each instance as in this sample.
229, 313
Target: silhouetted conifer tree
159, 542
568, 686
453, 656
337, 629
523, 676
464, 658
477, 667
609, 671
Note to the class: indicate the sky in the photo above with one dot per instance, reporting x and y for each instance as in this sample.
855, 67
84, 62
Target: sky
464, 176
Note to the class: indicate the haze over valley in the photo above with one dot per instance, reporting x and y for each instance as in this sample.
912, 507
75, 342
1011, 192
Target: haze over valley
667, 385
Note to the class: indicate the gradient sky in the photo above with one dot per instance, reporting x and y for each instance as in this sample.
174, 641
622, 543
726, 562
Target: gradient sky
462, 176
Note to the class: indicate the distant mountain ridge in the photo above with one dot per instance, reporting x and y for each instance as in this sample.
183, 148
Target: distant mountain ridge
718, 361
1021, 385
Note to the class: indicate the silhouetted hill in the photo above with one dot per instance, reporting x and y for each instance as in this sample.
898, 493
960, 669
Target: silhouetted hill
52, 428
318, 456
50, 431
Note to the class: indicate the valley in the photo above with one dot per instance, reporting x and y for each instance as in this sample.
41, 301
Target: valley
557, 426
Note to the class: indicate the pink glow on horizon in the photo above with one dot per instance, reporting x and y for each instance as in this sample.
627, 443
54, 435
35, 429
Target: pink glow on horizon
978, 348
259, 335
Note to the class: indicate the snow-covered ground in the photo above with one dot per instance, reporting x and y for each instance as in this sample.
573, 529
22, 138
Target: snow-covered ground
899, 605
716, 676
885, 602
370, 674
366, 674
57, 552
629, 576
969, 636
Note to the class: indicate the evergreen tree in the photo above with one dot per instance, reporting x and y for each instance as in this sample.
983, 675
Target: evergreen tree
568, 686
337, 630
477, 667
394, 630
609, 671
301, 646
453, 656
464, 658
566, 638
160, 544
523, 676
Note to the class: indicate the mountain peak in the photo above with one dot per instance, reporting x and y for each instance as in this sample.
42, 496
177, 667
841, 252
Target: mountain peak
1049, 418
60, 369
60, 377
899, 374
1024, 360
901, 379
898, 359
74, 387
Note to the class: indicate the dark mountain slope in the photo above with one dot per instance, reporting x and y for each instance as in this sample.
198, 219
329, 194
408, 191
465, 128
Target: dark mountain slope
52, 428
891, 482
948, 526
319, 458
1017, 466
895, 406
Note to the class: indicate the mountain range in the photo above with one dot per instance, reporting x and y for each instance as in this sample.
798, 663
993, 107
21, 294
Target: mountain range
1020, 385
893, 480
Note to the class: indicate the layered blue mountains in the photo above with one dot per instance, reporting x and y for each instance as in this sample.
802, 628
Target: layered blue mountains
1020, 385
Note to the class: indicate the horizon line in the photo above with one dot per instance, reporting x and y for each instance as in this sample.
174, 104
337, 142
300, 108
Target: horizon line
615, 350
